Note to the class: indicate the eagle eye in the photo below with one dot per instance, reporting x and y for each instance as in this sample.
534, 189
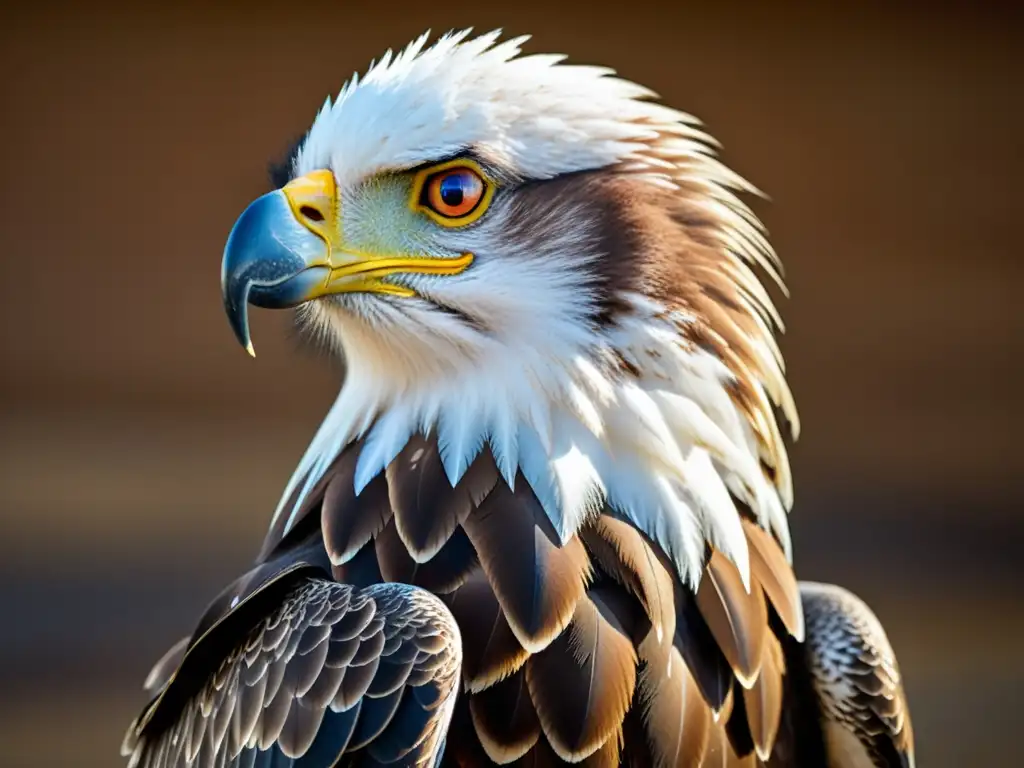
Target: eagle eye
452, 194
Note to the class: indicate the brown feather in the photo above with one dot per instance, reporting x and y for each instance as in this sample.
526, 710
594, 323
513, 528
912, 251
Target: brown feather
738, 619
350, 521
686, 260
311, 508
607, 756
721, 754
360, 571
537, 580
735, 332
744, 396
490, 650
427, 508
444, 572
768, 565
505, 720
701, 652
636, 751
462, 747
583, 682
716, 755
676, 717
727, 707
737, 727
541, 756
623, 553
763, 702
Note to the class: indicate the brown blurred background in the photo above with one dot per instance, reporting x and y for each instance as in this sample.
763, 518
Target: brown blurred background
142, 452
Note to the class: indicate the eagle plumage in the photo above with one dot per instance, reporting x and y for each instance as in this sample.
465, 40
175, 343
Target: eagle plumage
545, 520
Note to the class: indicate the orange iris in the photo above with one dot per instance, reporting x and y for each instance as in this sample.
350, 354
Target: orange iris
455, 192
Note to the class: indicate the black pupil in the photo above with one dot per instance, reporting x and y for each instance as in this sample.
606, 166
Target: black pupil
452, 189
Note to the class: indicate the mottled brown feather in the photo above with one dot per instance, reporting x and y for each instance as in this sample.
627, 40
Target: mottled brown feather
855, 674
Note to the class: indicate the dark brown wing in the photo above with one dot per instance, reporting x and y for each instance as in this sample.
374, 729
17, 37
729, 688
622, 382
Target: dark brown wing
331, 670
865, 720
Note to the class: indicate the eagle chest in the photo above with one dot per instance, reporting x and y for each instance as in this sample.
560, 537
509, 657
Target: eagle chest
570, 649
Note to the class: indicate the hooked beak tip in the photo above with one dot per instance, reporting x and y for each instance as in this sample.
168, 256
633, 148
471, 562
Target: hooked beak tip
236, 296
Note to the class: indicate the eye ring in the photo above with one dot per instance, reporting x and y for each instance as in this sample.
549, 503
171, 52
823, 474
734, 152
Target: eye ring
453, 194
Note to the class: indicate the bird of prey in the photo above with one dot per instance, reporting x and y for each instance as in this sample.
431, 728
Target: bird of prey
545, 521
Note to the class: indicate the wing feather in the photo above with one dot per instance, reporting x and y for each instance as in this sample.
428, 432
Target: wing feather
856, 677
332, 669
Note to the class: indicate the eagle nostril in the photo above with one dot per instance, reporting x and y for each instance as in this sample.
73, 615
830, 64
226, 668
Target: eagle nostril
311, 213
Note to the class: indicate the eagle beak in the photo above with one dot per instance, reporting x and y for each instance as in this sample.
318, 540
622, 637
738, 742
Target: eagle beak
278, 253
286, 249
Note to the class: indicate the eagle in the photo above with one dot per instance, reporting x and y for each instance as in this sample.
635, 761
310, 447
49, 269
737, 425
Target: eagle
545, 520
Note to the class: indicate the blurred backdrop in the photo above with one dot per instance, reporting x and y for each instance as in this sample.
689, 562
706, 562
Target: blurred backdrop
142, 452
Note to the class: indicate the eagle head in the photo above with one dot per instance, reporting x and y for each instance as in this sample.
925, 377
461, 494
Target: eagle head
538, 256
